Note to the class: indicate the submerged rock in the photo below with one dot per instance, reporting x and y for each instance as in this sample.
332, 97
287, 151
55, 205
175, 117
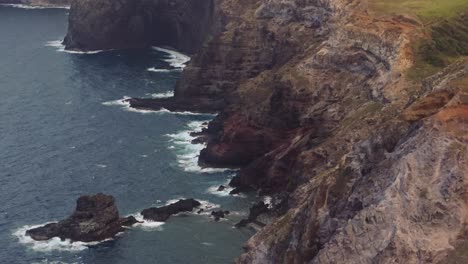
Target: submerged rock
95, 218
161, 214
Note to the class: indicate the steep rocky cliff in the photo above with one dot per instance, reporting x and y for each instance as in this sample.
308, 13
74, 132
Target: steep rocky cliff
314, 115
353, 117
103, 24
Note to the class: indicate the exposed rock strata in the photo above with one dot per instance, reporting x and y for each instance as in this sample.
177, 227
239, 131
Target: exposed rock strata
96, 218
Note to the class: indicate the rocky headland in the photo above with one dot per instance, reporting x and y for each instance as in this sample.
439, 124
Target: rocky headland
102, 25
352, 115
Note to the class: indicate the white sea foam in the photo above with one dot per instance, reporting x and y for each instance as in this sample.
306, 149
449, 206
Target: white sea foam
268, 201
188, 153
153, 69
147, 225
54, 244
162, 95
58, 44
225, 192
35, 6
46, 261
126, 106
176, 59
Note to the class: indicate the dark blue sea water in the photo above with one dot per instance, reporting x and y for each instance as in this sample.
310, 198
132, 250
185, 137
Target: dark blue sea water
62, 135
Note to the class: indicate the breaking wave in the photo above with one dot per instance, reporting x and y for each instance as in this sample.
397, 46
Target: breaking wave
22, 6
175, 59
162, 95
58, 44
126, 106
53, 244
187, 153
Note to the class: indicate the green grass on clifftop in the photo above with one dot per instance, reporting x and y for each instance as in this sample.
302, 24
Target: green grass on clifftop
448, 41
446, 24
427, 10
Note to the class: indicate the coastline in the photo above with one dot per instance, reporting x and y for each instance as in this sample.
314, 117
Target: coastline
318, 111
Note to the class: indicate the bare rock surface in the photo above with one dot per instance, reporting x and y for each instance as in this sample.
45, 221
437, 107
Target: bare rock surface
161, 214
95, 218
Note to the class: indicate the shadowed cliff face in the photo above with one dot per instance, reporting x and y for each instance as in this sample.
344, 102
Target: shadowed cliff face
104, 24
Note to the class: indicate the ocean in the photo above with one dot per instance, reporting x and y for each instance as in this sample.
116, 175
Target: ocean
65, 132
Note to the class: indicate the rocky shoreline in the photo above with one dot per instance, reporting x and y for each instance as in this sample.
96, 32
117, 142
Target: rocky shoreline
365, 163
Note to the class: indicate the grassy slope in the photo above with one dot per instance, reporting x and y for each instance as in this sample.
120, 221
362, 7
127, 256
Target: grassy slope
445, 21
427, 10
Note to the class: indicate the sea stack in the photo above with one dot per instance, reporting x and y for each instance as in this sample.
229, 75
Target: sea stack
96, 218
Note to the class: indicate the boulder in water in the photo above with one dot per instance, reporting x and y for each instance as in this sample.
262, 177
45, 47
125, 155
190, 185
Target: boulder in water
95, 218
161, 214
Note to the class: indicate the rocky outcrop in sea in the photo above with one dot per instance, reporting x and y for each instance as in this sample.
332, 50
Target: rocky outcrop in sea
161, 214
95, 218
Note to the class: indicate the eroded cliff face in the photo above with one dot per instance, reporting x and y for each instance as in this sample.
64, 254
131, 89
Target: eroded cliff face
104, 24
366, 164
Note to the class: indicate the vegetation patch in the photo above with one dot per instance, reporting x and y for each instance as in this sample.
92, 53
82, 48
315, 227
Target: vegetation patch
427, 10
448, 41
446, 25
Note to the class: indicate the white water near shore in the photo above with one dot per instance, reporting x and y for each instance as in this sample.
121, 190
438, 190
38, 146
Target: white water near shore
23, 6
126, 106
54, 244
167, 94
58, 44
175, 59
187, 152
153, 69
146, 224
